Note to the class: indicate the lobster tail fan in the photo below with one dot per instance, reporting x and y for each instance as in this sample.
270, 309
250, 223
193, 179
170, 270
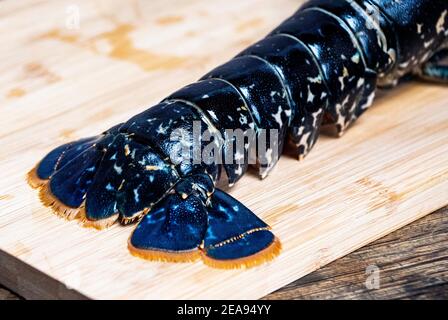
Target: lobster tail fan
172, 231
195, 221
66, 189
58, 158
249, 250
100, 206
236, 237
65, 175
39, 175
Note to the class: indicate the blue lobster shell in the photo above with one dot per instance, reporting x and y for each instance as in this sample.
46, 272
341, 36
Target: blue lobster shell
319, 67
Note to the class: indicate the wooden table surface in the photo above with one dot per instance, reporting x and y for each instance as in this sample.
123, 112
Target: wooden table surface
412, 264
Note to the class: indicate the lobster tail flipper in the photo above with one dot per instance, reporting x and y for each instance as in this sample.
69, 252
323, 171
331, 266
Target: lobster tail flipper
65, 174
198, 222
172, 231
236, 237
101, 179
57, 159
66, 188
100, 207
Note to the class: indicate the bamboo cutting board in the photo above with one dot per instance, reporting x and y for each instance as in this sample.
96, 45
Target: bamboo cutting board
63, 78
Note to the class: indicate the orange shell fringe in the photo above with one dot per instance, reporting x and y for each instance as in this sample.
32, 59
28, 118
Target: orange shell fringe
33, 179
62, 210
266, 255
254, 260
96, 224
165, 256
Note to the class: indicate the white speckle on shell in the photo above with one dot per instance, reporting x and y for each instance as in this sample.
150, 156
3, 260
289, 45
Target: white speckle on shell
341, 78
428, 43
316, 117
136, 195
243, 119
369, 101
356, 58
239, 171
360, 83
213, 115
316, 79
161, 129
310, 95
440, 25
278, 116
419, 28
118, 169
304, 141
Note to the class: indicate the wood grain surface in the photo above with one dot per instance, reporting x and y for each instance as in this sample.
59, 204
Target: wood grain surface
412, 264
60, 83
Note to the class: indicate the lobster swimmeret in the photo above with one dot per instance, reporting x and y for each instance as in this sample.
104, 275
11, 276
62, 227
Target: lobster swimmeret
319, 67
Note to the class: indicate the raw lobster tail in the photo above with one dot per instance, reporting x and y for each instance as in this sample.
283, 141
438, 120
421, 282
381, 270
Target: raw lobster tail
319, 67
